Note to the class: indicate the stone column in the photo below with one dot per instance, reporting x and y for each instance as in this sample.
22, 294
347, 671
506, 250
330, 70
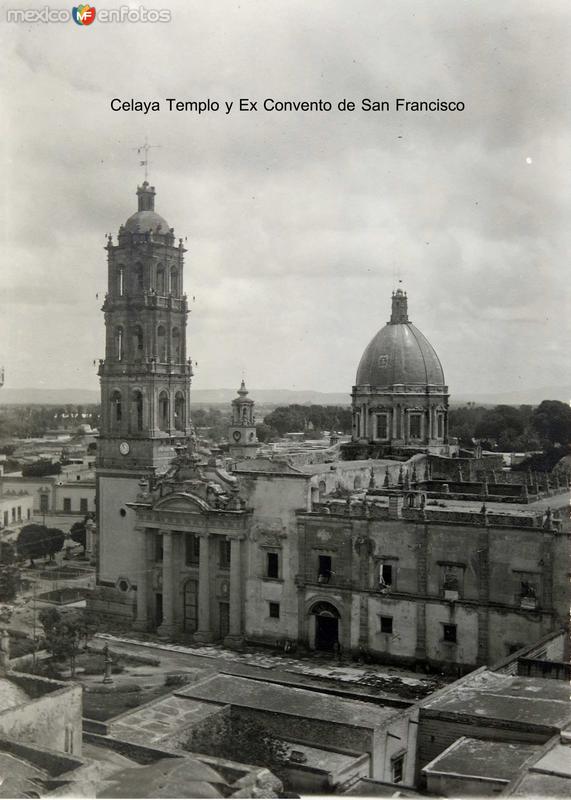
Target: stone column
235, 638
143, 582
166, 629
204, 632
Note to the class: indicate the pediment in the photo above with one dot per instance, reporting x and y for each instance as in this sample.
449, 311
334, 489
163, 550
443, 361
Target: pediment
179, 501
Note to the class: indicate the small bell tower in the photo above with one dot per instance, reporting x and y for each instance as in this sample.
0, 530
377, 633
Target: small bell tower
242, 432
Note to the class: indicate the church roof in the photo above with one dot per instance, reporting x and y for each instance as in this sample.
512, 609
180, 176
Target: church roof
399, 353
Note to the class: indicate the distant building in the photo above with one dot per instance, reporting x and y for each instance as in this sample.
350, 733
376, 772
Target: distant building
242, 432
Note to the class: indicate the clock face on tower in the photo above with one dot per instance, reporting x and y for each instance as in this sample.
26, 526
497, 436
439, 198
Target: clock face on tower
124, 448
237, 436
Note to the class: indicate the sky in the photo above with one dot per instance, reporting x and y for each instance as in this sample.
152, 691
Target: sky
299, 225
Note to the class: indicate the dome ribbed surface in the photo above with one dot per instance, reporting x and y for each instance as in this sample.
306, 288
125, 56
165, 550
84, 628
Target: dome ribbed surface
400, 354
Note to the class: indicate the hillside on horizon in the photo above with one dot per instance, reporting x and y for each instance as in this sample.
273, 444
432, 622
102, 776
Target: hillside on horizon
201, 397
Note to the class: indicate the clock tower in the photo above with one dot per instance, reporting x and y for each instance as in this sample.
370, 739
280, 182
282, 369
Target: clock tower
145, 375
242, 432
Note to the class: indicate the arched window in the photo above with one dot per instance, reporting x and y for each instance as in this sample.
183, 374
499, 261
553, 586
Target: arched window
176, 351
121, 280
245, 415
161, 344
119, 343
139, 277
138, 342
164, 421
116, 409
174, 281
137, 411
179, 411
161, 279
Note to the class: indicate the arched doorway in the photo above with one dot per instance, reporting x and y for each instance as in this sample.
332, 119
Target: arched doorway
326, 625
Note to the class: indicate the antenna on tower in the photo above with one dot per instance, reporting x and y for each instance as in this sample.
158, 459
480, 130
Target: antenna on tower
144, 149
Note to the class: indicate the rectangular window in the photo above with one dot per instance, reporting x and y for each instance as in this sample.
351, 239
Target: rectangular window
83, 507
386, 624
29, 513
528, 591
224, 554
324, 569
382, 426
414, 425
6, 520
158, 548
274, 610
67, 503
13, 515
192, 549
440, 426
397, 767
386, 574
449, 632
272, 565
19, 512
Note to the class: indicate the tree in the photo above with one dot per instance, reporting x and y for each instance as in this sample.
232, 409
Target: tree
9, 573
78, 533
265, 433
241, 740
39, 469
552, 421
54, 541
32, 542
63, 634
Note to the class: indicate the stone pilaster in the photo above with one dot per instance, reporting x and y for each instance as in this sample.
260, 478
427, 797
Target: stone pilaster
235, 638
143, 583
204, 632
166, 628
422, 577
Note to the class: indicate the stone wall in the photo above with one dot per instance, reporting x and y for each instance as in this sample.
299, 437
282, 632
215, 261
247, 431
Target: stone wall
52, 718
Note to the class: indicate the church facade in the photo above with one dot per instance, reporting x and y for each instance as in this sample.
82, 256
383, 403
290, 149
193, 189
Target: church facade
362, 555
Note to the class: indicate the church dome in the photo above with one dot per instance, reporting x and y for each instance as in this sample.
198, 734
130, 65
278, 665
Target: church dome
399, 353
146, 219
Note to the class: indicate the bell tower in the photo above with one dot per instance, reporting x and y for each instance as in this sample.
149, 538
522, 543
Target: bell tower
145, 380
242, 433
145, 376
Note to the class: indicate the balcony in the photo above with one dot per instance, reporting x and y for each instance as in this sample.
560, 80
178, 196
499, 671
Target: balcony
528, 603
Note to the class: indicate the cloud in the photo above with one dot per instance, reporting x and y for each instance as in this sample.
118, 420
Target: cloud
298, 225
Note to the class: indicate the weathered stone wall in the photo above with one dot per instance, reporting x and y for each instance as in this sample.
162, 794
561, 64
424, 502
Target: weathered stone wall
51, 719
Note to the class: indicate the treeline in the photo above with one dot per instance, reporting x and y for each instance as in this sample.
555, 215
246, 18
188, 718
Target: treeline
22, 422
513, 428
309, 419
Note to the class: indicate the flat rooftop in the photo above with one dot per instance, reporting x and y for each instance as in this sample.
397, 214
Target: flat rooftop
483, 759
549, 776
279, 699
492, 695
329, 761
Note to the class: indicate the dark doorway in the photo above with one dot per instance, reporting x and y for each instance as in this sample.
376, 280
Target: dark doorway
158, 609
326, 632
191, 606
224, 611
